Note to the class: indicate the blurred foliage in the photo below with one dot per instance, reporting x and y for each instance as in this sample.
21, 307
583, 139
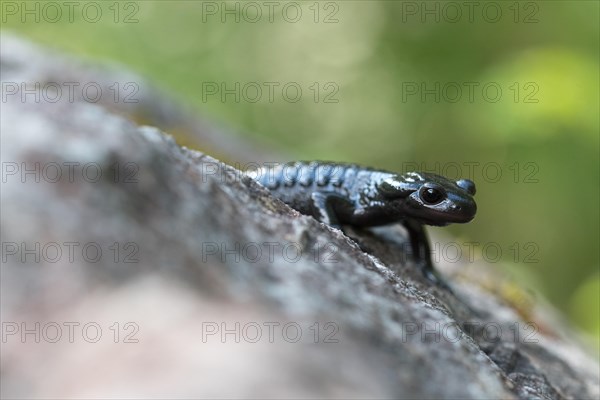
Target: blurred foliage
542, 130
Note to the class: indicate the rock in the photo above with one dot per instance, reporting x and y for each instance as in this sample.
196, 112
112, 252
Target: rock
133, 267
122, 92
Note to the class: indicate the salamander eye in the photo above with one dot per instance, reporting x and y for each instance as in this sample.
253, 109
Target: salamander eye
432, 196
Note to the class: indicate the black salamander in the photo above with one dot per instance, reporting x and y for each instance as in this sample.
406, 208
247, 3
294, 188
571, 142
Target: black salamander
337, 194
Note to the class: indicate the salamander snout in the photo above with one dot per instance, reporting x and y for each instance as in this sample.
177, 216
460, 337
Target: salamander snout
467, 185
459, 208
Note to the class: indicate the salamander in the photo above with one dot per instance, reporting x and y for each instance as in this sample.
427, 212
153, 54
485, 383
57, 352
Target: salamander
338, 194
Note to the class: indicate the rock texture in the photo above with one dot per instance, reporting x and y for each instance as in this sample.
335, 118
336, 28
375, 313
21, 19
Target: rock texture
151, 270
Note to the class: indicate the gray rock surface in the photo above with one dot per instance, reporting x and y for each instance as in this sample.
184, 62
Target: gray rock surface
152, 270
122, 92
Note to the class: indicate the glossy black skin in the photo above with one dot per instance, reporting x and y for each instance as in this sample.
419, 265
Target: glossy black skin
338, 194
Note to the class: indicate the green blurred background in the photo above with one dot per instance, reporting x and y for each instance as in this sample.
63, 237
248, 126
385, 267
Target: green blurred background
379, 83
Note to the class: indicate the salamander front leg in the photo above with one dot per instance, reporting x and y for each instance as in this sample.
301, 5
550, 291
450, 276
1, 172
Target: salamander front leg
324, 207
419, 243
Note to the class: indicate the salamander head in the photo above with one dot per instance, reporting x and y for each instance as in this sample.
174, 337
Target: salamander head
431, 199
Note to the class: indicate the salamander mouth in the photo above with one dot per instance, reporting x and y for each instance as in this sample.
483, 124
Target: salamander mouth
432, 222
445, 221
443, 218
